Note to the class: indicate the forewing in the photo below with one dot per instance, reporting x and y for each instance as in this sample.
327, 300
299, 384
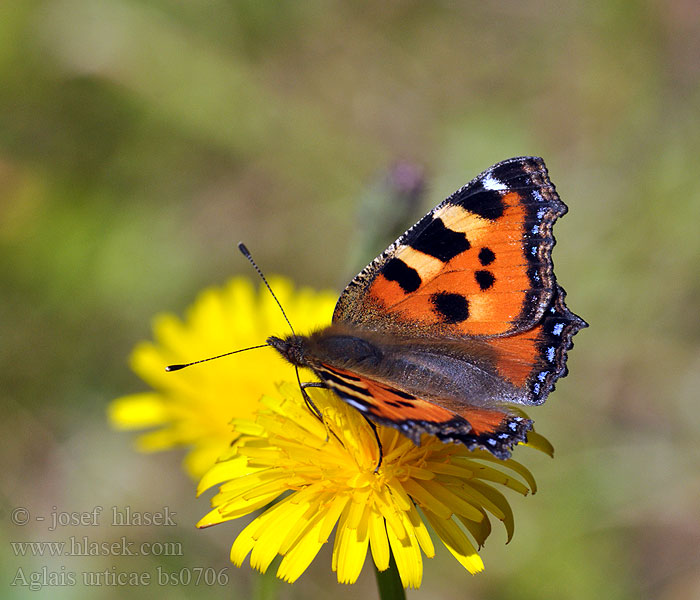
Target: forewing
479, 264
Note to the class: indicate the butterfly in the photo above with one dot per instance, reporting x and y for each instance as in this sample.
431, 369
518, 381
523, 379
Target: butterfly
457, 322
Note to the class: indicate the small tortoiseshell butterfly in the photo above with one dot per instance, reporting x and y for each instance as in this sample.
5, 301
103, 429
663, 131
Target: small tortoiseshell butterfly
457, 320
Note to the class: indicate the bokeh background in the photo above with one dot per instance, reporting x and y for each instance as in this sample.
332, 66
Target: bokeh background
139, 141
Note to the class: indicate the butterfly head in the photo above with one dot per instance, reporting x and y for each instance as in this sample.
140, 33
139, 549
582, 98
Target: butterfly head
291, 348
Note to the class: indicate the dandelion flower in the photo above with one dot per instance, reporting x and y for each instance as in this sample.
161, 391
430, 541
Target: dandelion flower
193, 408
316, 477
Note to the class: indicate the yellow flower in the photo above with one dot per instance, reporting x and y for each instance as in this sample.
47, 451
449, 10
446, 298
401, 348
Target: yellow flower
193, 407
323, 476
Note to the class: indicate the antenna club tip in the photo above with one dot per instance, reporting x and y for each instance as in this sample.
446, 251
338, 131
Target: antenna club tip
243, 249
171, 368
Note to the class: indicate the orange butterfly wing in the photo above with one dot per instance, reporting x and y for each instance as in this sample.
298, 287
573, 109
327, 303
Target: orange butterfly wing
479, 264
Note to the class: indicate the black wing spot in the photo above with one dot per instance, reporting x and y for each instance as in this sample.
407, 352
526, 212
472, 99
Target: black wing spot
402, 394
439, 241
397, 403
398, 271
486, 256
405, 403
487, 204
394, 403
406, 397
452, 308
485, 279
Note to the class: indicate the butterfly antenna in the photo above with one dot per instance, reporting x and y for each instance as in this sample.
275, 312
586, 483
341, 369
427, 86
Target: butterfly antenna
245, 252
170, 368
307, 399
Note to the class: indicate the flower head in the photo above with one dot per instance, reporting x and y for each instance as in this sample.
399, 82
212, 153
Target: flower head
193, 407
320, 476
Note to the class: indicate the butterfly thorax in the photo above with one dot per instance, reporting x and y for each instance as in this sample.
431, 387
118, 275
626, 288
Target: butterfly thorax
328, 346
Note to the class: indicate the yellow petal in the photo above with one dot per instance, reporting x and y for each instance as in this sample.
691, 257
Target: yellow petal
539, 442
245, 541
243, 506
223, 471
399, 495
456, 542
510, 464
299, 529
284, 519
391, 514
421, 531
213, 517
138, 411
351, 551
379, 543
480, 531
161, 439
300, 556
424, 498
202, 456
449, 497
504, 512
333, 512
408, 558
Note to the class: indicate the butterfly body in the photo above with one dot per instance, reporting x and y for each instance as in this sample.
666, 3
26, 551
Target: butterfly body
446, 371
459, 320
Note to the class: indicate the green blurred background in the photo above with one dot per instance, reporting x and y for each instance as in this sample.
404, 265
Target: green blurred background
139, 141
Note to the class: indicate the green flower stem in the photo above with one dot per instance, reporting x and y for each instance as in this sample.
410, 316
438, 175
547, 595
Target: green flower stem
267, 585
389, 582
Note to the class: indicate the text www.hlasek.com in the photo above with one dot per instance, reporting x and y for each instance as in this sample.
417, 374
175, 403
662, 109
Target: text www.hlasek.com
83, 546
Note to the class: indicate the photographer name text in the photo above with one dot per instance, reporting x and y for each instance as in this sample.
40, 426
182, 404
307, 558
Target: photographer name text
115, 516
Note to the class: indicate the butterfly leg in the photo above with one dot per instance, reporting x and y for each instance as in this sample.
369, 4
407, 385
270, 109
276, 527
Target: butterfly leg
316, 412
307, 399
379, 444
312, 407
